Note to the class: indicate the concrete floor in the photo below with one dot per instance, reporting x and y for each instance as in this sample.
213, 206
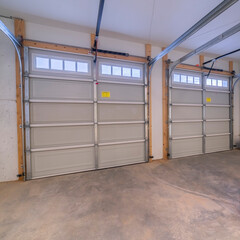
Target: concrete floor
188, 198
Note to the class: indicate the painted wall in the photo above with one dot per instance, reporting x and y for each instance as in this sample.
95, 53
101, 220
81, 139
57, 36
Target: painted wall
8, 114
8, 131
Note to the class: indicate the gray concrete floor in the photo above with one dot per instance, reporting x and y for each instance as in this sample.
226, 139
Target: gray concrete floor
195, 198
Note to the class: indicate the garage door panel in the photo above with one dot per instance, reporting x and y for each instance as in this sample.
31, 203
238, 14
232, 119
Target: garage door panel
43, 137
121, 132
60, 89
217, 98
121, 92
186, 113
116, 155
74, 124
217, 113
60, 113
199, 108
186, 147
217, 143
120, 112
62, 161
186, 96
217, 127
186, 129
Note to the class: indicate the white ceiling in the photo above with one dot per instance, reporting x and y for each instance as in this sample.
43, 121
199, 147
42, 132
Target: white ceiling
153, 21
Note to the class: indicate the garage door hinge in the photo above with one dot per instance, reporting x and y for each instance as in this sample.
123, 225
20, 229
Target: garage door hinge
26, 74
21, 175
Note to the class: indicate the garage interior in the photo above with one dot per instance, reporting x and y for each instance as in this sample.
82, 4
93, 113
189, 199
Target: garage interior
120, 119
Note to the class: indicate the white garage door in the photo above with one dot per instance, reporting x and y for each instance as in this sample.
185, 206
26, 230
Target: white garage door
79, 117
200, 114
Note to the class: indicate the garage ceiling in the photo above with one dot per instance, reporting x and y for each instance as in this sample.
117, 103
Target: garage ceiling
153, 21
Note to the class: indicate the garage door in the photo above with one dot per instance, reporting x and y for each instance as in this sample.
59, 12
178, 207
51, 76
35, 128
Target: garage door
199, 114
79, 117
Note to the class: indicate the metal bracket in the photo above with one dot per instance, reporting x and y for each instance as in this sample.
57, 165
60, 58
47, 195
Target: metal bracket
26, 74
21, 175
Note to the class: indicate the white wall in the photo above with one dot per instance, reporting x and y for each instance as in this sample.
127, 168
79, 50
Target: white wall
8, 131
8, 111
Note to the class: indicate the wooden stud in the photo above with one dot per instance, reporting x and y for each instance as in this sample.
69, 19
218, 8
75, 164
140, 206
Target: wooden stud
85, 51
148, 53
148, 50
92, 39
19, 27
165, 107
230, 66
201, 60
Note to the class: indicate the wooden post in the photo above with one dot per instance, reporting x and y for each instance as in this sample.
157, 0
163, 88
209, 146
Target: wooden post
148, 53
92, 39
230, 66
19, 27
165, 107
201, 60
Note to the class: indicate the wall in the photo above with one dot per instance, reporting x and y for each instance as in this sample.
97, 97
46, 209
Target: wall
8, 131
8, 114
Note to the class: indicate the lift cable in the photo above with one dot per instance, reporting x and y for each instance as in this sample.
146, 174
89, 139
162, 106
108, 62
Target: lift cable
211, 68
219, 57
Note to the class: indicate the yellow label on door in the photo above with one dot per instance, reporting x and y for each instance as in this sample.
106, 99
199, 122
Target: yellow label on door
105, 94
208, 99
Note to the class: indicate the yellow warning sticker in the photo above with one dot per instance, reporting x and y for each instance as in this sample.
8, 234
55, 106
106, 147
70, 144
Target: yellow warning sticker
105, 94
208, 99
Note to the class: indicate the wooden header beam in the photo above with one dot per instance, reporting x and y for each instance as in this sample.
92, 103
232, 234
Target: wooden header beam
199, 69
78, 50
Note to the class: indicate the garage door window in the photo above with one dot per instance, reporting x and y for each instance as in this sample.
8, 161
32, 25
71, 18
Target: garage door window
186, 79
42, 63
58, 64
217, 83
70, 66
121, 71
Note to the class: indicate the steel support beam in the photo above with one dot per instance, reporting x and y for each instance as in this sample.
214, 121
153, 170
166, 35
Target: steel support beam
200, 24
235, 83
99, 19
207, 45
6, 31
